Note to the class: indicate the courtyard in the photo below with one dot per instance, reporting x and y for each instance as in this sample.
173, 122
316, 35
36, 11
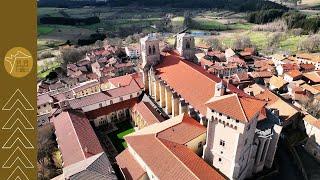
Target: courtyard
123, 128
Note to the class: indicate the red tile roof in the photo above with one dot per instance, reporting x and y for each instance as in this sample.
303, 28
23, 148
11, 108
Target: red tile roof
237, 107
133, 87
186, 78
166, 162
314, 76
114, 107
147, 112
129, 166
294, 73
76, 138
198, 167
159, 151
43, 99
183, 132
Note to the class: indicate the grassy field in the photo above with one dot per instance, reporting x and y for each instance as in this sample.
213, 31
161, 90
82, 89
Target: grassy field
260, 40
124, 128
43, 30
41, 73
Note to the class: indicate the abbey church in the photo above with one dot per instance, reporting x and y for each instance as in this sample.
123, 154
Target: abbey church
237, 144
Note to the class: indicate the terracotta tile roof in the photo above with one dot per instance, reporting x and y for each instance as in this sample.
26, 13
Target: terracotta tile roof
201, 169
240, 108
76, 138
242, 76
261, 74
57, 85
307, 67
122, 65
277, 82
133, 87
309, 88
288, 67
108, 109
176, 72
286, 111
147, 112
205, 62
314, 76
161, 153
43, 99
129, 166
183, 132
158, 157
294, 73
317, 87
92, 76
267, 96
311, 57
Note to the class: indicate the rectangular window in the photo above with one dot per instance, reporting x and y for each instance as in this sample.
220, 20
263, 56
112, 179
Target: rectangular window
222, 142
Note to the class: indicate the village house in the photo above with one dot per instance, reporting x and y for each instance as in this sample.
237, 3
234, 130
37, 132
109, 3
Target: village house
312, 78
277, 83
306, 58
311, 126
278, 111
44, 104
133, 51
87, 88
292, 75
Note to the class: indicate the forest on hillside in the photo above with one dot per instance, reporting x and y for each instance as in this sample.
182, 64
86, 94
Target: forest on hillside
234, 5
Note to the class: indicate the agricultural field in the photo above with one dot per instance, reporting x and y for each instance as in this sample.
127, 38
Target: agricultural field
120, 22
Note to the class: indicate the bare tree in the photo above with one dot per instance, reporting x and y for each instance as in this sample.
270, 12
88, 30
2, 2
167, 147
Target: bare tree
310, 44
275, 39
241, 43
214, 43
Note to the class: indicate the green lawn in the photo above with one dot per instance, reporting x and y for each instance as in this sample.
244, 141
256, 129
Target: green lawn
42, 74
260, 39
207, 24
43, 30
124, 128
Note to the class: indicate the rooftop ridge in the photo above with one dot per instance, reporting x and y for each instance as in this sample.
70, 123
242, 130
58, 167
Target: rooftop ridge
161, 142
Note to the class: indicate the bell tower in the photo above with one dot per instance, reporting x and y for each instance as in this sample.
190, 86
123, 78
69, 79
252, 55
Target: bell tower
186, 46
150, 51
150, 56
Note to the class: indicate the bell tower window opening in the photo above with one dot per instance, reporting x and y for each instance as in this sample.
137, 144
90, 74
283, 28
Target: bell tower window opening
153, 50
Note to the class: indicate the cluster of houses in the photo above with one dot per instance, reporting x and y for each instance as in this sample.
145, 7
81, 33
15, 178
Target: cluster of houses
197, 113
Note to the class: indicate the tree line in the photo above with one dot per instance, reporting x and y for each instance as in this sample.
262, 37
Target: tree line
293, 19
69, 21
234, 5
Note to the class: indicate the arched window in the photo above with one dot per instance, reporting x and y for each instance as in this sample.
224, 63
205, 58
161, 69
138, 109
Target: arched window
188, 45
149, 50
153, 50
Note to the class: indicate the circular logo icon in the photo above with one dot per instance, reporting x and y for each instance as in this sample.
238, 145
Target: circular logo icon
18, 62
